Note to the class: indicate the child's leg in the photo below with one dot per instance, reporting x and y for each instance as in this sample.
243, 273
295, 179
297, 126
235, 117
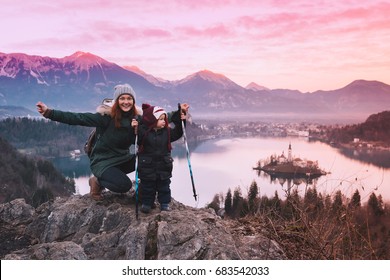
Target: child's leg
164, 192
148, 189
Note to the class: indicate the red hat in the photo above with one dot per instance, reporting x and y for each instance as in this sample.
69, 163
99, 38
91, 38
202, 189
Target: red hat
151, 114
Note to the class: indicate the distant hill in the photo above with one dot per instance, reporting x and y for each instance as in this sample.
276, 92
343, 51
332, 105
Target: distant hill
16, 111
34, 180
80, 81
376, 128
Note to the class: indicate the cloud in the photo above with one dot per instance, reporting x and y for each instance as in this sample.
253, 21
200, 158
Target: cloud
219, 30
248, 38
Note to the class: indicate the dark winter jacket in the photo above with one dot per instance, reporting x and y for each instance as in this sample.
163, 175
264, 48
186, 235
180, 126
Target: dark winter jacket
155, 160
112, 147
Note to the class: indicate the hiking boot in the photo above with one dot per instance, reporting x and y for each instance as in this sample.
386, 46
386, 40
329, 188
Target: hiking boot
165, 207
145, 209
95, 189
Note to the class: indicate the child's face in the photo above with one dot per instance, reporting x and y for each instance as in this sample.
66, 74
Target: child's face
161, 122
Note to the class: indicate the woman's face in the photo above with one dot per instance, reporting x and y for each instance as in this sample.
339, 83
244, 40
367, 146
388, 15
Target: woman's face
125, 102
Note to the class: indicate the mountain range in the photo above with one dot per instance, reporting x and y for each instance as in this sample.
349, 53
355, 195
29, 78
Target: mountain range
80, 81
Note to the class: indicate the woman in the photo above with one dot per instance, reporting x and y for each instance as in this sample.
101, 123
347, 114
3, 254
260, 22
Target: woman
110, 158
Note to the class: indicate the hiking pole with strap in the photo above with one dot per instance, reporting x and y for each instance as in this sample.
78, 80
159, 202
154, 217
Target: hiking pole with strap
136, 171
187, 151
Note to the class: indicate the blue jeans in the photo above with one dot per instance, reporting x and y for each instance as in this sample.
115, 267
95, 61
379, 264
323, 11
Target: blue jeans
115, 178
149, 189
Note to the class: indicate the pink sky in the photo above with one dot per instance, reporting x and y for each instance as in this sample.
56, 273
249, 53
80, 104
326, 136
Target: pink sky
302, 44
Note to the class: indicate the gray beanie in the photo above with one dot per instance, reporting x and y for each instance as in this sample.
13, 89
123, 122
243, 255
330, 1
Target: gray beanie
123, 89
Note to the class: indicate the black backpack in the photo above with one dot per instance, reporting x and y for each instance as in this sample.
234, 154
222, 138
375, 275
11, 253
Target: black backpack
93, 136
90, 143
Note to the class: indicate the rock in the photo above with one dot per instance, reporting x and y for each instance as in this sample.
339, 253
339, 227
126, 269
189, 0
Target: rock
16, 212
78, 227
66, 250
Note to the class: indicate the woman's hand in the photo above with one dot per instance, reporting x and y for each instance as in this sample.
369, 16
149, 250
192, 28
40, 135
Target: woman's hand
42, 108
134, 124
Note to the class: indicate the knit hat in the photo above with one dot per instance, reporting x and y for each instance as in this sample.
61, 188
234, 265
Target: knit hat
151, 114
123, 89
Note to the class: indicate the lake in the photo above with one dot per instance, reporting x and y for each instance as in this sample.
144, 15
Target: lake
221, 164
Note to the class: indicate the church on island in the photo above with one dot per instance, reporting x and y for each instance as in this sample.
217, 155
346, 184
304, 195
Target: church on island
290, 167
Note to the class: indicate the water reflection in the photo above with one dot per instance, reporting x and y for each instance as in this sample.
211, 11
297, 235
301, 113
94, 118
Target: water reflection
380, 158
73, 167
296, 179
287, 182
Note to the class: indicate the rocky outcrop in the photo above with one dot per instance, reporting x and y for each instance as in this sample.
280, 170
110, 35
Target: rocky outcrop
81, 228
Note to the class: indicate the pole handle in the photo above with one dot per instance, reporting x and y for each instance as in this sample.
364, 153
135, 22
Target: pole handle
135, 127
180, 109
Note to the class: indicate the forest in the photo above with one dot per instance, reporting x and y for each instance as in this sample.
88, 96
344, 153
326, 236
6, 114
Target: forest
311, 225
376, 128
34, 179
42, 137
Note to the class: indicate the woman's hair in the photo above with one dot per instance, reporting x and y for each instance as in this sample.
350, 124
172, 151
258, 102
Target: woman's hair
116, 113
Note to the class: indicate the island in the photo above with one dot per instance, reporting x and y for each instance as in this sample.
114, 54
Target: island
289, 167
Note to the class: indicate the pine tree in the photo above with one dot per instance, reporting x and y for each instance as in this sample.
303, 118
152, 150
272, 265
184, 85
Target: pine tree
337, 205
237, 205
276, 203
214, 203
252, 197
375, 204
228, 202
355, 200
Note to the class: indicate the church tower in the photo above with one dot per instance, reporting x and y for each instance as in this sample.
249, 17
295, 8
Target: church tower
289, 158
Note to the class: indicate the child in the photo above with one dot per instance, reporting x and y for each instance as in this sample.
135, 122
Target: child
155, 162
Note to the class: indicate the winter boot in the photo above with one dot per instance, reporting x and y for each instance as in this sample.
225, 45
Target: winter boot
95, 189
165, 207
145, 209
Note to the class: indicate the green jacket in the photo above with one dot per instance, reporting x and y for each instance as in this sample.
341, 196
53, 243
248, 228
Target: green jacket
112, 147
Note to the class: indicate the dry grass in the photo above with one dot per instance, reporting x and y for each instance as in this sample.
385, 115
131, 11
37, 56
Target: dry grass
311, 232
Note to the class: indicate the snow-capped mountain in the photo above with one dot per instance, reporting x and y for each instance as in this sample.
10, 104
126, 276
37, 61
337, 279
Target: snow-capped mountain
255, 87
150, 78
207, 80
78, 68
80, 81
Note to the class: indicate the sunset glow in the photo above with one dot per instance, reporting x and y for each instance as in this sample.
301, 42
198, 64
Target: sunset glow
304, 45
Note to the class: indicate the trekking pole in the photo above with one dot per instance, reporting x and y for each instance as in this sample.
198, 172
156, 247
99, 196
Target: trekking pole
187, 152
136, 171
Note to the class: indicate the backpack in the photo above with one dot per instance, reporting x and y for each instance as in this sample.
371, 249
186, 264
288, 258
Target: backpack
93, 136
90, 143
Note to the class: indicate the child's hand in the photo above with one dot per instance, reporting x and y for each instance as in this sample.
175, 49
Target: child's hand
184, 107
